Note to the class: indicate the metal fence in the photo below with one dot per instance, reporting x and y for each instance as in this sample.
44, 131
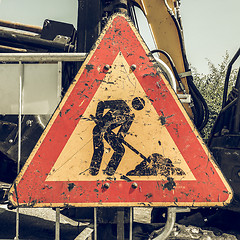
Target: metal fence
19, 79
20, 76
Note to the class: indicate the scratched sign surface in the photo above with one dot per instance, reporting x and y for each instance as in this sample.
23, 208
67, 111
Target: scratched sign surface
120, 137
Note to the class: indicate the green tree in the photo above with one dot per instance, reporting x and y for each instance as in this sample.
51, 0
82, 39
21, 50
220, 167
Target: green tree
211, 87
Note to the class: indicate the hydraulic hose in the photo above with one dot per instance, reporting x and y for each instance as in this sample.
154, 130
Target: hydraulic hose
200, 108
177, 24
228, 76
202, 104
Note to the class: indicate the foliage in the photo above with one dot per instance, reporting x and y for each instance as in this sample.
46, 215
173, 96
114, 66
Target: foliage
211, 87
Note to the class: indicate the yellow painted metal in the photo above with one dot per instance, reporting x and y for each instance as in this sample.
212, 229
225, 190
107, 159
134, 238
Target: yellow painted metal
165, 34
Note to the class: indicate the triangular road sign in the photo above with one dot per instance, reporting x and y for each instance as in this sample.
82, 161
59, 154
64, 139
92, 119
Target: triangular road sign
120, 137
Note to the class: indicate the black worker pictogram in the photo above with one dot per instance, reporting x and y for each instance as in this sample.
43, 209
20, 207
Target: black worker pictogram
118, 114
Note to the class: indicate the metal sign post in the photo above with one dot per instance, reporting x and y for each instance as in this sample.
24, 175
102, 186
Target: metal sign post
57, 226
120, 224
95, 223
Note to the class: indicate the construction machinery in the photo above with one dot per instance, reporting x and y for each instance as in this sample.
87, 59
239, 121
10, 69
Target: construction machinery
166, 35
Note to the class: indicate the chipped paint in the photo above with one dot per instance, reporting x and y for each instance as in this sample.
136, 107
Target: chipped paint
89, 67
71, 186
170, 184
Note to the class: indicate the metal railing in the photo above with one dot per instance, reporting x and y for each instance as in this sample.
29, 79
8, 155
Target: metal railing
20, 58
59, 58
42, 57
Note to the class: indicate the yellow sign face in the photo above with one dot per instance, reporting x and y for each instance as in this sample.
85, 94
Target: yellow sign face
147, 134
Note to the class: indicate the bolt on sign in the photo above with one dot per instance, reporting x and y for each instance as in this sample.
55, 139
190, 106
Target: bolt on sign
120, 137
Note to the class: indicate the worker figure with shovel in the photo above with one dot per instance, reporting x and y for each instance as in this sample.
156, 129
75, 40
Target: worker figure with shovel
118, 114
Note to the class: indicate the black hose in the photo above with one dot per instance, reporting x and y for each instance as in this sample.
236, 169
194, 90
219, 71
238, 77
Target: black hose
202, 113
186, 64
228, 76
203, 107
132, 13
200, 108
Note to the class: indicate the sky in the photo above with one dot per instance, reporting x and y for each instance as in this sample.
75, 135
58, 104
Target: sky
211, 27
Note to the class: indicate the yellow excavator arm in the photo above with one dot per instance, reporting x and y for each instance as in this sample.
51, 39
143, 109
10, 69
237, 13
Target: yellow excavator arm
163, 17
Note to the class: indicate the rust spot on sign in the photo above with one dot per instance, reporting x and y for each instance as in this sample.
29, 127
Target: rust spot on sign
170, 185
89, 67
148, 195
67, 111
163, 120
71, 186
